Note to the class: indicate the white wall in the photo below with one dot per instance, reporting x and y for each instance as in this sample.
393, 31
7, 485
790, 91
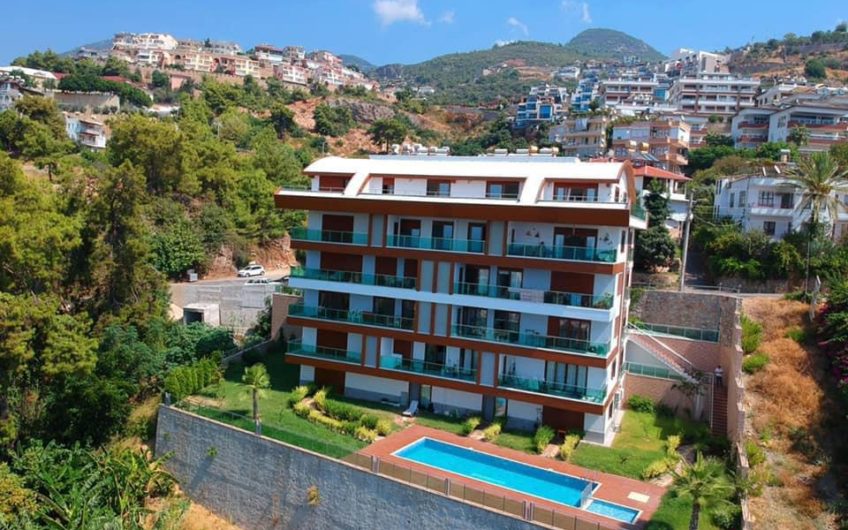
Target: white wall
537, 279
354, 342
359, 302
381, 385
309, 336
418, 350
524, 411
594, 423
596, 377
307, 373
456, 398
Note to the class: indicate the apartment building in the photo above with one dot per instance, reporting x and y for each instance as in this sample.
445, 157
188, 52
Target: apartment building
628, 90
585, 93
770, 202
144, 41
667, 141
545, 103
269, 54
11, 90
583, 136
709, 94
292, 74
825, 120
86, 131
487, 286
686, 62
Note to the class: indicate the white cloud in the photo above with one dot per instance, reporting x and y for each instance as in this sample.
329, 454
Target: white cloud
500, 42
391, 11
521, 26
577, 8
447, 17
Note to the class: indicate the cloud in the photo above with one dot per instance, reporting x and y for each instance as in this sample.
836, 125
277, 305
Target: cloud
447, 17
499, 42
577, 8
391, 11
521, 26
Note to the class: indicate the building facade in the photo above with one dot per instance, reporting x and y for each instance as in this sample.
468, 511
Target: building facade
634, 90
667, 141
487, 286
713, 94
85, 131
582, 137
545, 103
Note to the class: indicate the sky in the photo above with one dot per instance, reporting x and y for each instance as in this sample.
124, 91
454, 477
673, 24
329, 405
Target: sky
410, 31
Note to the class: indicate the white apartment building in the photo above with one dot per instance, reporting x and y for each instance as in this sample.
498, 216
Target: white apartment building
85, 131
713, 94
628, 90
486, 286
685, 62
583, 136
292, 74
144, 41
826, 122
269, 54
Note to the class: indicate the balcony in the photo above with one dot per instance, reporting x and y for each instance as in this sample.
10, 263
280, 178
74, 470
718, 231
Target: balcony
562, 252
381, 280
296, 347
416, 366
436, 243
531, 340
554, 389
535, 295
365, 318
439, 194
637, 210
328, 236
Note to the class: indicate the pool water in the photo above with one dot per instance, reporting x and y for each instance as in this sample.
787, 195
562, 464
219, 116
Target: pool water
535, 481
613, 511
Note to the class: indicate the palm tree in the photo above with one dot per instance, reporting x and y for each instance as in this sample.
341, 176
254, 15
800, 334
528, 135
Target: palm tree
705, 483
257, 380
820, 178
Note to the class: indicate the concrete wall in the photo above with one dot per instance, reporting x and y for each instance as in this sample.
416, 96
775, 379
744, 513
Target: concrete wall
673, 308
259, 483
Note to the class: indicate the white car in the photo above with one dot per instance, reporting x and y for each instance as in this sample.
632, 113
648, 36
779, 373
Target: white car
251, 270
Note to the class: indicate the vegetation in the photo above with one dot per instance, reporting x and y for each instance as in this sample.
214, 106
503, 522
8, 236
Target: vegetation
188, 379
566, 450
491, 433
256, 380
640, 404
705, 483
654, 246
544, 435
470, 424
332, 121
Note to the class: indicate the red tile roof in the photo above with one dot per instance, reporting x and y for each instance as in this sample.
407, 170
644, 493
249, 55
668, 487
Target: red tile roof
657, 173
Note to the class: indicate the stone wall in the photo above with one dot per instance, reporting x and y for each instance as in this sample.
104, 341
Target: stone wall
258, 483
674, 308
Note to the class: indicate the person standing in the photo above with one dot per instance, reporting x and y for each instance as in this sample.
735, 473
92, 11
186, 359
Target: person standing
719, 375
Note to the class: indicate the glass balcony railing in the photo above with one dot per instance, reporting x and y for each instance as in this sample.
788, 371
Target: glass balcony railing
706, 335
637, 210
354, 317
562, 252
603, 301
532, 340
381, 280
296, 347
552, 388
427, 368
329, 236
436, 243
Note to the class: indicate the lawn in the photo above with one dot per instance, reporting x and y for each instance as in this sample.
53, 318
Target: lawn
674, 512
640, 442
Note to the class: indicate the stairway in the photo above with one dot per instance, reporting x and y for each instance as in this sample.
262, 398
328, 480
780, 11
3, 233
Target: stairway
662, 353
719, 423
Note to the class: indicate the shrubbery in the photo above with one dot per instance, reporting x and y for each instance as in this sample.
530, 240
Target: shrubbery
491, 433
365, 434
657, 468
755, 362
568, 447
384, 427
187, 380
333, 121
542, 438
470, 424
755, 453
297, 395
671, 445
752, 335
640, 404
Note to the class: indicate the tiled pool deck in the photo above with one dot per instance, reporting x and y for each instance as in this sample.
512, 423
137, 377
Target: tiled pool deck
613, 488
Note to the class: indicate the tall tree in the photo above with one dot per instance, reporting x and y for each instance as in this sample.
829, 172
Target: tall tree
257, 380
705, 483
388, 131
820, 178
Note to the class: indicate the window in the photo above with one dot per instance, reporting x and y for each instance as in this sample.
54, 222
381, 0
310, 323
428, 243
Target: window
333, 301
443, 235
438, 188
743, 199
476, 237
732, 196
786, 201
767, 199
388, 186
769, 227
502, 190
384, 306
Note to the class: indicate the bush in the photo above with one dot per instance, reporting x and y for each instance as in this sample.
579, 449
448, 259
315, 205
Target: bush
798, 334
726, 516
640, 404
251, 357
568, 447
341, 411
664, 410
302, 409
755, 453
671, 445
384, 427
656, 468
469, 425
491, 433
365, 434
186, 380
752, 335
753, 363
320, 399
321, 419
297, 395
369, 421
542, 438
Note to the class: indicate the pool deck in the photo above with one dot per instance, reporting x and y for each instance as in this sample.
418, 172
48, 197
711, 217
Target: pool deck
613, 488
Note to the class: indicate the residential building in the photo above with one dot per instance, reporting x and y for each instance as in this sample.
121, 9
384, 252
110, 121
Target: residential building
12, 89
750, 128
39, 77
826, 124
294, 53
585, 93
582, 136
769, 202
292, 74
673, 188
493, 286
628, 90
686, 62
144, 41
666, 140
569, 73
710, 94
85, 131
269, 54
545, 103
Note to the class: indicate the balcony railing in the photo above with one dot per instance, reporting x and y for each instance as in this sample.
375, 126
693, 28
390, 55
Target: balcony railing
436, 243
562, 252
328, 236
510, 196
427, 368
296, 347
706, 335
603, 301
353, 317
553, 388
637, 210
652, 371
382, 280
532, 340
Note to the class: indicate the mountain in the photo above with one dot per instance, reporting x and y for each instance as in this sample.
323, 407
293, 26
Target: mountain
352, 60
99, 45
609, 43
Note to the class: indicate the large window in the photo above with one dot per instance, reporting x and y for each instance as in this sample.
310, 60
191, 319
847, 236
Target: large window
438, 188
332, 300
502, 190
767, 199
769, 227
476, 237
443, 235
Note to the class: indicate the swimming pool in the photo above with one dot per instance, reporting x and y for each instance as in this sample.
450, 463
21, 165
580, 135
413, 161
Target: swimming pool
543, 483
613, 511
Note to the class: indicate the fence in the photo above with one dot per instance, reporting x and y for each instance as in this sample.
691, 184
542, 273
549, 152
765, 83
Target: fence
706, 335
526, 510
235, 355
652, 371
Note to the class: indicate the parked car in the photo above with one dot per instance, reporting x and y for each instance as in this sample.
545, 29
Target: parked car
254, 269
261, 281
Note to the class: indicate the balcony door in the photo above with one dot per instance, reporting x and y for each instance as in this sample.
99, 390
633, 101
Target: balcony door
476, 237
572, 377
443, 235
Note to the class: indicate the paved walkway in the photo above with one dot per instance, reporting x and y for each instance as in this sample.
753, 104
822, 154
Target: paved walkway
613, 488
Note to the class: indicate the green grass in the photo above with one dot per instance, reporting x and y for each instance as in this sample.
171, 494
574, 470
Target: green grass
443, 423
518, 440
674, 513
640, 442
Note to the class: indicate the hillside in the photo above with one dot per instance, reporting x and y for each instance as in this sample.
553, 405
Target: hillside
104, 44
609, 43
364, 65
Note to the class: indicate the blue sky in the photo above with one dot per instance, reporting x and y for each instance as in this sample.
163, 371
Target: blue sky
408, 31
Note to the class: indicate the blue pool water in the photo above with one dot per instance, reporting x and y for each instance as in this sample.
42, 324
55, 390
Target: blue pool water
613, 511
516, 476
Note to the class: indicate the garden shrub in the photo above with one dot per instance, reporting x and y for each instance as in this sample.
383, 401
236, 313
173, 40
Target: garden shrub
664, 410
568, 447
726, 516
656, 468
302, 409
365, 434
251, 357
384, 427
542, 438
491, 433
671, 445
752, 335
320, 399
469, 425
756, 455
297, 395
321, 419
755, 362
369, 421
797, 333
640, 404
341, 411
186, 380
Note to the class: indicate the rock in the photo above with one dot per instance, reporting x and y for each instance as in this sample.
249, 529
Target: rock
364, 112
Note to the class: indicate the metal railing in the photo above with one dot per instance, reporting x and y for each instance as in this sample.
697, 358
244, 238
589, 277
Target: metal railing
354, 317
553, 388
539, 250
440, 195
296, 347
652, 371
328, 236
603, 301
436, 243
532, 340
382, 280
427, 368
706, 335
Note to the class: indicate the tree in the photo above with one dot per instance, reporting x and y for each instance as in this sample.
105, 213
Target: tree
715, 140
332, 121
159, 79
820, 178
815, 69
282, 118
257, 380
654, 249
177, 247
799, 136
388, 131
656, 203
705, 483
44, 111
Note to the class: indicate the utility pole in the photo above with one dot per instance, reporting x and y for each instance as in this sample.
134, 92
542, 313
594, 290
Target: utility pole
686, 243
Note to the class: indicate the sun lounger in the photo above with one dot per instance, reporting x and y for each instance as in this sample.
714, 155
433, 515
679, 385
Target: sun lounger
413, 408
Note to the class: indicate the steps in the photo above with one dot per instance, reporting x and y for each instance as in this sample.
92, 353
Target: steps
662, 353
719, 423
